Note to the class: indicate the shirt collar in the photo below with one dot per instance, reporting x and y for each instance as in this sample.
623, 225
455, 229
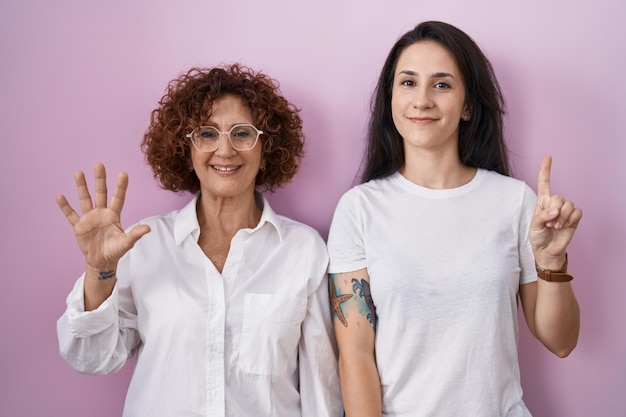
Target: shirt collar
269, 216
187, 221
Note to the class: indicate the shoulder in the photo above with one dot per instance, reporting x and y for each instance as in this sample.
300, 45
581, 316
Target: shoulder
296, 232
371, 190
302, 251
160, 219
503, 183
290, 231
177, 223
507, 191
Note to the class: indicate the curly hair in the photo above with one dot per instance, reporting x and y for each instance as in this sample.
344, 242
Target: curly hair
187, 103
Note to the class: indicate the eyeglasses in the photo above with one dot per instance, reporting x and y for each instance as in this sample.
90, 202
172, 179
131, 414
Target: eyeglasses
242, 137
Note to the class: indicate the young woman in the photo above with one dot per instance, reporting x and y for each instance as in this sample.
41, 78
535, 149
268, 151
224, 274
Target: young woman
429, 255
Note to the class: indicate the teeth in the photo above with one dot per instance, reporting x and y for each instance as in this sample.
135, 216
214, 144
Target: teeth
225, 169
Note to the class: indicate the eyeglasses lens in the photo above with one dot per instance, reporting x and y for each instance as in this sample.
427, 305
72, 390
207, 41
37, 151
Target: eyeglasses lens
242, 137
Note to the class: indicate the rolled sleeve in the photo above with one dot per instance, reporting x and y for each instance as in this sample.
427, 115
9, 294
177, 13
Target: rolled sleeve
98, 341
88, 323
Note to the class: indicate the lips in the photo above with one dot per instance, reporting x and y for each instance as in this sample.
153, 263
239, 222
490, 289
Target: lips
225, 168
422, 120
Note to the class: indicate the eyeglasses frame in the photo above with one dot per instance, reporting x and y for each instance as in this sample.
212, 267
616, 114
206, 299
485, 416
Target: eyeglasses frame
228, 135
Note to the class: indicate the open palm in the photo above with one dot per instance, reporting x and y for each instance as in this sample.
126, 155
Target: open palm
99, 232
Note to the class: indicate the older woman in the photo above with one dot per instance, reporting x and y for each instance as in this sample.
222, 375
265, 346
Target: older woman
224, 301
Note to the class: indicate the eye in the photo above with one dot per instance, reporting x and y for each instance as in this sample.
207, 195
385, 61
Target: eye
407, 83
207, 134
242, 134
442, 86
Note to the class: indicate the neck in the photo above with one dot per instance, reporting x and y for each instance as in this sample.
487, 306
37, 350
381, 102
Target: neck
437, 173
226, 216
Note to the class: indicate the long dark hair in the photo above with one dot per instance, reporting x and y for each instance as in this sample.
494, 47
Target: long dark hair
481, 139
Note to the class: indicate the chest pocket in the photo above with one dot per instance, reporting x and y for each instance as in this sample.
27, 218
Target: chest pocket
270, 332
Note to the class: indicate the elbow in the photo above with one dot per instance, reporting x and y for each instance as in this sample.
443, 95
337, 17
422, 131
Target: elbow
563, 354
561, 341
91, 367
562, 346
564, 351
89, 360
565, 347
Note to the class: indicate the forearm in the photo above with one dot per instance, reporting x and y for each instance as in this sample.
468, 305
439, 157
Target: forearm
98, 286
557, 317
360, 386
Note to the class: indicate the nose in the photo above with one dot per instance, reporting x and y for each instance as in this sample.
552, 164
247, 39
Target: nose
422, 98
224, 147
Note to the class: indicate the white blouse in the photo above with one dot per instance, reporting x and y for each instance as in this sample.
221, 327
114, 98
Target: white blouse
253, 340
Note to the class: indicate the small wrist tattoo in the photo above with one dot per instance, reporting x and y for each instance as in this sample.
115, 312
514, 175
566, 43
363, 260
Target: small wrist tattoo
106, 274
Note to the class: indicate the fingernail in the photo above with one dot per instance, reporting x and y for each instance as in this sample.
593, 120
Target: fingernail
557, 225
553, 212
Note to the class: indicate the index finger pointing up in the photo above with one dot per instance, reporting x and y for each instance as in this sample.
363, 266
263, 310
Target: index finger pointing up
543, 184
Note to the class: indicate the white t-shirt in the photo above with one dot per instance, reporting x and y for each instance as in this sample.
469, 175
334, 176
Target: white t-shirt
255, 340
445, 267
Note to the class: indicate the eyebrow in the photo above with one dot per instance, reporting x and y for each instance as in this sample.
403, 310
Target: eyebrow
217, 125
435, 75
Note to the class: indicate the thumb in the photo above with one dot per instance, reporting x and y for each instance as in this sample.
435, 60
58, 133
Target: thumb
136, 233
544, 217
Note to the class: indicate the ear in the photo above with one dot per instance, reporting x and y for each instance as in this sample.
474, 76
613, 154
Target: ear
466, 115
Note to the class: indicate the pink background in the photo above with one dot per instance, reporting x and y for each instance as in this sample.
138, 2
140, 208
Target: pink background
78, 81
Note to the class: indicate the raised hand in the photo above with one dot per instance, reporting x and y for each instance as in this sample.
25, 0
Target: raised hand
554, 222
99, 232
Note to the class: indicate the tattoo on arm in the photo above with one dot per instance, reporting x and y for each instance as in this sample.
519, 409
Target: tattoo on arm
362, 289
336, 300
106, 274
361, 296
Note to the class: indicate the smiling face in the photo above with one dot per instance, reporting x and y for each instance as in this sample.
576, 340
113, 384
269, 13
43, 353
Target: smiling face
428, 98
227, 173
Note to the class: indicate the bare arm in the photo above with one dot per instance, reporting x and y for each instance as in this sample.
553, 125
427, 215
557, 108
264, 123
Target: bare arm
550, 308
552, 314
354, 319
